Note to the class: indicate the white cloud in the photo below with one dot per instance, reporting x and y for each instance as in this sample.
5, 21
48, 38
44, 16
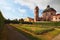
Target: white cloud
32, 3
56, 5
7, 8
4, 5
41, 3
3, 2
11, 11
23, 11
29, 3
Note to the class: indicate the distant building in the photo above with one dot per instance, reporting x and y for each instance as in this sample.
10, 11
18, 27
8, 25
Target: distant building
49, 14
28, 19
56, 17
36, 14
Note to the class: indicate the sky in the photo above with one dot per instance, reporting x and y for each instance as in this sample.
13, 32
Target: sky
17, 9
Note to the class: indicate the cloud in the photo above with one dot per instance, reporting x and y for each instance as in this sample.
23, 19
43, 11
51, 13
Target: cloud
3, 2
10, 10
4, 5
32, 3
56, 5
22, 7
41, 3
7, 8
23, 11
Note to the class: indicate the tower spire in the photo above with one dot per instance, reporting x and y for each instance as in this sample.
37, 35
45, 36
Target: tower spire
48, 6
36, 14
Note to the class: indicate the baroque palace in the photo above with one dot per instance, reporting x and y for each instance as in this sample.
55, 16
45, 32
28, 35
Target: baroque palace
49, 14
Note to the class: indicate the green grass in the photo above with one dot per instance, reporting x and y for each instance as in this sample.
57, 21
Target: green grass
36, 30
50, 35
43, 33
31, 37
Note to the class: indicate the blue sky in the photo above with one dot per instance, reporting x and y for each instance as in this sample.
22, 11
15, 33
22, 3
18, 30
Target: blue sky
16, 9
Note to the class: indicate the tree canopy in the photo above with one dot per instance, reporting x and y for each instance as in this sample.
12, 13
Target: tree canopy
1, 21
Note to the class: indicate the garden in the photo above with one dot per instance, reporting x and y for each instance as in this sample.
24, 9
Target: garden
38, 31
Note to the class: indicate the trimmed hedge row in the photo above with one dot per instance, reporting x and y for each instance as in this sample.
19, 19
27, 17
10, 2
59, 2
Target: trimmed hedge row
44, 31
39, 32
11, 21
26, 23
49, 24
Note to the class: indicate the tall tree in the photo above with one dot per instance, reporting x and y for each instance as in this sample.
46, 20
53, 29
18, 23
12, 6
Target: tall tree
1, 22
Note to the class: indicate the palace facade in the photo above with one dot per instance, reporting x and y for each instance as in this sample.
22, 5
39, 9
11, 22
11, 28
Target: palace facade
49, 14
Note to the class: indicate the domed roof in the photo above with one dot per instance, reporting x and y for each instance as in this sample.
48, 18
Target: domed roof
49, 9
36, 7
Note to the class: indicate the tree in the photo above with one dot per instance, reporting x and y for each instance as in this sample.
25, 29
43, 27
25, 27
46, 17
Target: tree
21, 20
1, 21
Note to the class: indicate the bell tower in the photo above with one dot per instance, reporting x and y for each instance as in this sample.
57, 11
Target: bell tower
36, 14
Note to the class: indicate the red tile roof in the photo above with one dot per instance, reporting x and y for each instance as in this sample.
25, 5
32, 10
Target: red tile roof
58, 14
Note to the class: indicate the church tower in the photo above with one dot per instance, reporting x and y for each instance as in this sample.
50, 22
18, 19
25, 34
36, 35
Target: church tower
36, 14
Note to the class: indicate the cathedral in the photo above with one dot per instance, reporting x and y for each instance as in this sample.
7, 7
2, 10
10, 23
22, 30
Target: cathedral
48, 14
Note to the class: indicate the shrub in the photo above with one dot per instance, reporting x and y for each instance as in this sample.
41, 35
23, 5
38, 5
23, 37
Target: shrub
26, 22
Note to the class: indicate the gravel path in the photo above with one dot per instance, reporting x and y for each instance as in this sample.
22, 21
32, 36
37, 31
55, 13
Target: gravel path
14, 35
57, 37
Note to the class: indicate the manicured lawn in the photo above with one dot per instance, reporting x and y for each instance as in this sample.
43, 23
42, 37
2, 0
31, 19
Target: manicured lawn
38, 31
